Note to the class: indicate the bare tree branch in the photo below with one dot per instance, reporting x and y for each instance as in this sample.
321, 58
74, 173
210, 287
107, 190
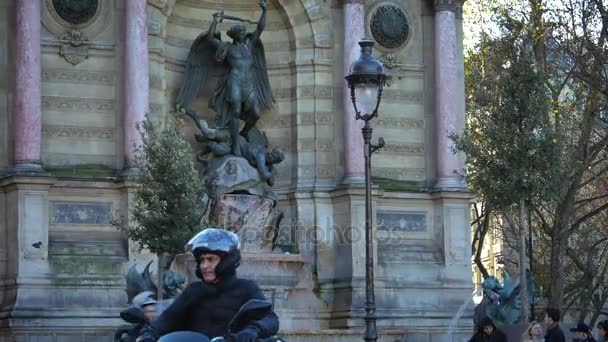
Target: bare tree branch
587, 216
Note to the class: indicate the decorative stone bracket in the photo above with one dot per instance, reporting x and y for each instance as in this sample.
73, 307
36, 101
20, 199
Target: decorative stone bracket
75, 47
393, 68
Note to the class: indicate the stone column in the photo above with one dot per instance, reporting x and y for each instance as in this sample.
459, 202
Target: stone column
354, 31
135, 74
27, 115
449, 114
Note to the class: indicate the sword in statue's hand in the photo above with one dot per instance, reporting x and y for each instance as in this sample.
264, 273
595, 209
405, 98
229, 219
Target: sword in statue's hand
223, 16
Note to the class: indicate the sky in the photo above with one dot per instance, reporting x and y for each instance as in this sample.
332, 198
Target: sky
478, 18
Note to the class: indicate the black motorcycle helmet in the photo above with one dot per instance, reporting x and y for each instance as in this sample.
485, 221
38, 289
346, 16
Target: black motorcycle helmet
220, 242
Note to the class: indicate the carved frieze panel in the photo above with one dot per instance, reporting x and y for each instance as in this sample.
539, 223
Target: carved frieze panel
447, 5
401, 173
401, 221
402, 96
81, 213
79, 133
319, 119
55, 103
405, 123
405, 149
93, 77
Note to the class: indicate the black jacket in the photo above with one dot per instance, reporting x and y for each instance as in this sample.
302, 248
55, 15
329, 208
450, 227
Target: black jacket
128, 333
208, 308
555, 334
497, 336
588, 339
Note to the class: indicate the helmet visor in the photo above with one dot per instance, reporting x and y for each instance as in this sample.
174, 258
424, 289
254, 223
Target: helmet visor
214, 240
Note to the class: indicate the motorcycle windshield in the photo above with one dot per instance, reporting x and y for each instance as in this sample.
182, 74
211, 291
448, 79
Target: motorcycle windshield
184, 336
253, 309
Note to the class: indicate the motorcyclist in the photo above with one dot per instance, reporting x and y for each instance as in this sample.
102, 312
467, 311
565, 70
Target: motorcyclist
207, 306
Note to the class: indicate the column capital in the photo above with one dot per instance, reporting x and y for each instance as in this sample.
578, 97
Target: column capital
448, 5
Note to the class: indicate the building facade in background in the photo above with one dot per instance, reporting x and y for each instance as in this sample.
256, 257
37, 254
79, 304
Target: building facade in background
77, 76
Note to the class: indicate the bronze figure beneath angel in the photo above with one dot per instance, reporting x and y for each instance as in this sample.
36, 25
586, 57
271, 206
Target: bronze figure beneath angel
243, 91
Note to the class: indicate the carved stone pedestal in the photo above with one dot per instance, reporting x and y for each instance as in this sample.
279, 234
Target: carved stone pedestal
254, 218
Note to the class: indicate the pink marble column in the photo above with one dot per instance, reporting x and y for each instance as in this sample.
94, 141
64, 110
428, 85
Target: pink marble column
354, 31
135, 74
27, 114
449, 114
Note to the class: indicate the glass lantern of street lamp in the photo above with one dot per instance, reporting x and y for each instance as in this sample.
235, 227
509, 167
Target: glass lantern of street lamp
366, 81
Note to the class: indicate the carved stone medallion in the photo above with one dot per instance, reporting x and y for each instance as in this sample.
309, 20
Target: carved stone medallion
74, 49
76, 11
389, 26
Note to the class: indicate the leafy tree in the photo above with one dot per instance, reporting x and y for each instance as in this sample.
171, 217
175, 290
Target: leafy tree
565, 44
508, 140
167, 208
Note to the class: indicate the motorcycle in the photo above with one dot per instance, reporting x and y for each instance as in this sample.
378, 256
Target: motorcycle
250, 311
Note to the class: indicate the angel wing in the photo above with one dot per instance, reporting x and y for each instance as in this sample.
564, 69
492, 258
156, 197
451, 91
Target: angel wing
260, 74
258, 137
201, 64
138, 283
135, 283
510, 288
147, 277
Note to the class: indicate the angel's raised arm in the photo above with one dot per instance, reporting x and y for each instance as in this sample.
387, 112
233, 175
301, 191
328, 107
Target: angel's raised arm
212, 29
262, 22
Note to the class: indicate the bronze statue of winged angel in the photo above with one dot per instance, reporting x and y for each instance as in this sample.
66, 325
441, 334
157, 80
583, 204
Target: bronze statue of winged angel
243, 91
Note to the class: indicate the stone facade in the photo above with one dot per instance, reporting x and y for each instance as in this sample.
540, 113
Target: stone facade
62, 264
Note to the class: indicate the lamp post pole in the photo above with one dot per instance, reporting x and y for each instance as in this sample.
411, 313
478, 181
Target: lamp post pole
370, 302
366, 82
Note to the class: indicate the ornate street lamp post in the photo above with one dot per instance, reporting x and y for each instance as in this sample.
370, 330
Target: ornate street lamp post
366, 81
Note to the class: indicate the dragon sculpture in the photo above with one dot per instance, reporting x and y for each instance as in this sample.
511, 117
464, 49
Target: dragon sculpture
501, 302
137, 283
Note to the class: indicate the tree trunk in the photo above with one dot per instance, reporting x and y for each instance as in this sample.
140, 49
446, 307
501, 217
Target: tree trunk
556, 273
482, 230
523, 283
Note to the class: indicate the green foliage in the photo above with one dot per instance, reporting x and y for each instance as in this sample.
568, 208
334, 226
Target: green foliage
563, 45
167, 207
508, 142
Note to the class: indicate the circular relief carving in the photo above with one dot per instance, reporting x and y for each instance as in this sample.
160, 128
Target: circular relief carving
76, 11
389, 26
